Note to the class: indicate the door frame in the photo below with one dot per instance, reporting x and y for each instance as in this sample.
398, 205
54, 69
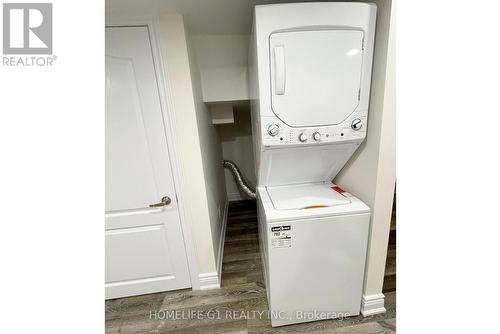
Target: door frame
161, 71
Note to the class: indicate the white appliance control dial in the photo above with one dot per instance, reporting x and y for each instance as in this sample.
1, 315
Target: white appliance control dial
273, 129
316, 136
356, 124
302, 137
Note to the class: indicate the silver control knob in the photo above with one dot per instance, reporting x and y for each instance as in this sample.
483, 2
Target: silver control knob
356, 124
302, 137
317, 136
273, 129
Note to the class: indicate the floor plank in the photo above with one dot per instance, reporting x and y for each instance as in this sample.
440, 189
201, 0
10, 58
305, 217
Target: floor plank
239, 306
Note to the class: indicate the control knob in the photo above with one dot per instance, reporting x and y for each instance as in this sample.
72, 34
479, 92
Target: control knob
302, 137
316, 136
273, 129
356, 124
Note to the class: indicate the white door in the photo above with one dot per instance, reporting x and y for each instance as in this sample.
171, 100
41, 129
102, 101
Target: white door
315, 75
144, 245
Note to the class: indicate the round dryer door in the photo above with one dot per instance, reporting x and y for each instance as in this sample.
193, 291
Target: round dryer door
315, 75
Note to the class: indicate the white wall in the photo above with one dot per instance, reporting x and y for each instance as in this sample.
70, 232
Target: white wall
197, 147
370, 174
211, 152
223, 61
237, 145
223, 64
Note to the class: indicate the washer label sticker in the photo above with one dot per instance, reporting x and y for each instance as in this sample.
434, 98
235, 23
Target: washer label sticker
341, 191
281, 236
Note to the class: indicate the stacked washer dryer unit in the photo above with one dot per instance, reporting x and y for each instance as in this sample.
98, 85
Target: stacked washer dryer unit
310, 68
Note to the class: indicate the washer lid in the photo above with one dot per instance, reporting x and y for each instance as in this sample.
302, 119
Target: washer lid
315, 75
305, 196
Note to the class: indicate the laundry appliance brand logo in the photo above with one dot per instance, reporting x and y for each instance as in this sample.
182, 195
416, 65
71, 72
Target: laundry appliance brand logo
27, 30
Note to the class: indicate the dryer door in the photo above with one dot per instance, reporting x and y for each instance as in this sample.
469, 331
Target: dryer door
315, 75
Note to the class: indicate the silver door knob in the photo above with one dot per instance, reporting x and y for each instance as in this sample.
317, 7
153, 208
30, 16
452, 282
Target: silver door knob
164, 201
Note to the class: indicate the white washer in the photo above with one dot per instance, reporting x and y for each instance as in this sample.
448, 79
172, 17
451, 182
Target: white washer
313, 241
310, 70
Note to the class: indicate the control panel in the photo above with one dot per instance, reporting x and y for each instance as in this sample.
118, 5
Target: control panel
273, 130
356, 124
276, 132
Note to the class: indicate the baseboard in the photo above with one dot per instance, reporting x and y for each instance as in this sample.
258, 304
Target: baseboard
209, 280
222, 239
231, 197
372, 304
213, 280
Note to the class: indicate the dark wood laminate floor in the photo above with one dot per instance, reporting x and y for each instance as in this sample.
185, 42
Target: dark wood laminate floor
235, 307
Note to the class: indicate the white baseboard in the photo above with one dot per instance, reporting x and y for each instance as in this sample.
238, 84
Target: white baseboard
213, 280
372, 304
209, 280
222, 239
231, 197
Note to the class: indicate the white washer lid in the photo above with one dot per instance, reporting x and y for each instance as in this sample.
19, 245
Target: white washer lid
305, 196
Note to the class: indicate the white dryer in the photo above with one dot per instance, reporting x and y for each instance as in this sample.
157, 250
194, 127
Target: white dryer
310, 69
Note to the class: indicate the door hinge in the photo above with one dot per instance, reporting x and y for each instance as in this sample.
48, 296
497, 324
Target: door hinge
359, 94
363, 44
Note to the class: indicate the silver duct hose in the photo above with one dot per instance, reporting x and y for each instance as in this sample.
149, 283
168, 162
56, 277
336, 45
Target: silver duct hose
238, 177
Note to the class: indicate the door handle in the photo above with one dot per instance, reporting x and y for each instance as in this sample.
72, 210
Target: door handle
279, 70
164, 201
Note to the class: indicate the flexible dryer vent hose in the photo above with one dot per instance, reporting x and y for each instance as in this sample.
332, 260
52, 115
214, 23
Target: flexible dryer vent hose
238, 177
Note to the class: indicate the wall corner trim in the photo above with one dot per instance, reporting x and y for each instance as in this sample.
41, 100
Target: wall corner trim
213, 280
372, 304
